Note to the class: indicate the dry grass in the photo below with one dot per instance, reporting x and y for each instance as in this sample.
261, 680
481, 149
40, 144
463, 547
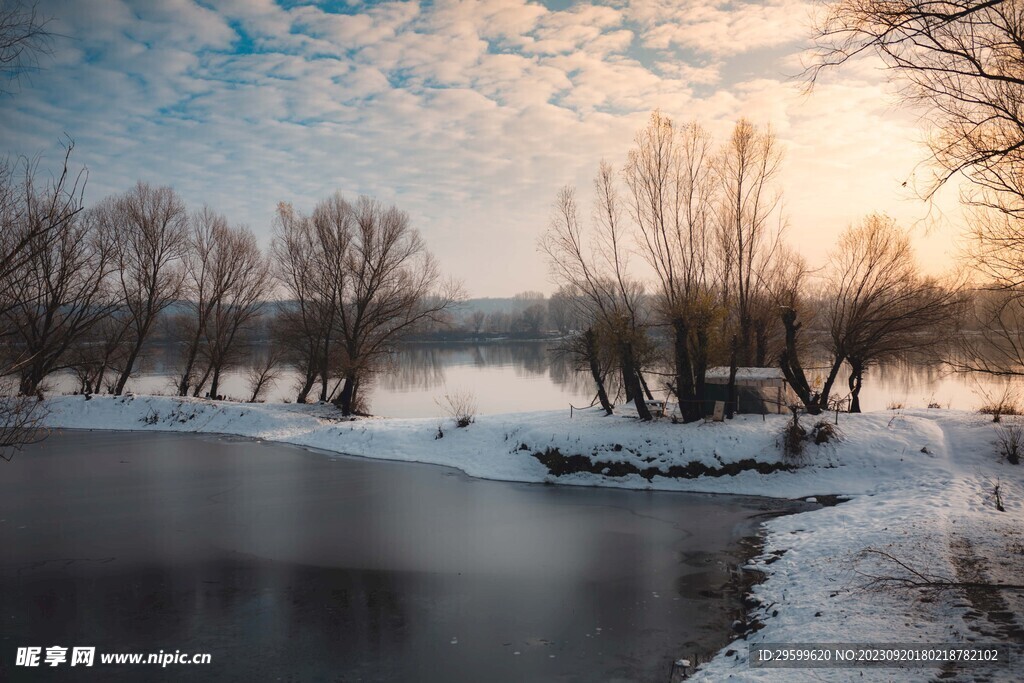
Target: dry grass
1010, 440
460, 406
1007, 403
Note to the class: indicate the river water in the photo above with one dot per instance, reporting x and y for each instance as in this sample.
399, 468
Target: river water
287, 564
523, 376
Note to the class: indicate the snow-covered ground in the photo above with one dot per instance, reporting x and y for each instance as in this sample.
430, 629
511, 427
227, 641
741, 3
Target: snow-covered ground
921, 486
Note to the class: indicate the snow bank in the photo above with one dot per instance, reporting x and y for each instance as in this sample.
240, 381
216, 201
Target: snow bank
870, 458
920, 482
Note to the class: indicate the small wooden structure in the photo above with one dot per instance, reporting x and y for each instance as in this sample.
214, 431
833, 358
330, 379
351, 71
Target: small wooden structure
758, 390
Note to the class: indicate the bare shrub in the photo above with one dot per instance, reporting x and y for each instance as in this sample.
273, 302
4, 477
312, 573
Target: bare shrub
824, 432
894, 405
1010, 440
1008, 403
793, 437
460, 406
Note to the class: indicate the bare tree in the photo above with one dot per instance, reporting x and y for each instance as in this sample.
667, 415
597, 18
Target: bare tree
562, 311
992, 338
748, 165
244, 271
961, 60
226, 279
879, 305
476, 321
750, 226
361, 278
673, 192
150, 229
31, 217
101, 350
265, 373
608, 296
24, 36
390, 285
499, 322
788, 288
206, 263
63, 292
308, 256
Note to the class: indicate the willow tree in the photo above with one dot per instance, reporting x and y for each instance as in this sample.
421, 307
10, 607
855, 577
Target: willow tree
362, 278
597, 270
750, 227
149, 227
391, 284
879, 305
673, 191
234, 312
227, 278
310, 276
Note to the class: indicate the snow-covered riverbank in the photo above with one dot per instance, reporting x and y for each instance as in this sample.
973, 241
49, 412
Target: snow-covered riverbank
921, 485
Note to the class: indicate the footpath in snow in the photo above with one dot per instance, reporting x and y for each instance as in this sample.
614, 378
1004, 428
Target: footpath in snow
921, 487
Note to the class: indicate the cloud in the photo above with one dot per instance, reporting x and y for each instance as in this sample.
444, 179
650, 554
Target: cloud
469, 115
721, 27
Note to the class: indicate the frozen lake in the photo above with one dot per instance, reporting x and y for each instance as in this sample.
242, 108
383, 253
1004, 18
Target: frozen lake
286, 564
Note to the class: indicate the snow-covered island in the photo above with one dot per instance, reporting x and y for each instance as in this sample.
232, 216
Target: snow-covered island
921, 491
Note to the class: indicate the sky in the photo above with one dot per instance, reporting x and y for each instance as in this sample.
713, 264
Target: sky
468, 114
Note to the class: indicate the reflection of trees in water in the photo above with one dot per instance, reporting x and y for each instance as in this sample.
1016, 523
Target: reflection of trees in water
529, 359
907, 374
423, 366
414, 367
917, 379
566, 370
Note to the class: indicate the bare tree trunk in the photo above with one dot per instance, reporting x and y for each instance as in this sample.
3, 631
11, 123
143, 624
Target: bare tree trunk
197, 392
686, 393
643, 384
128, 365
354, 402
190, 361
346, 398
307, 386
792, 370
826, 390
215, 383
590, 341
855, 381
632, 382
99, 378
324, 383
700, 366
761, 347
